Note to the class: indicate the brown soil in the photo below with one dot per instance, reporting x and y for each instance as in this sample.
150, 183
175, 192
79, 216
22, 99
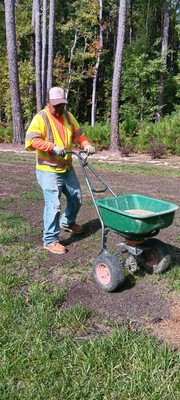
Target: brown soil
142, 300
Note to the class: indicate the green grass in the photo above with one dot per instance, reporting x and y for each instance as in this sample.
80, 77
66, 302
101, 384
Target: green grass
34, 195
171, 277
6, 201
14, 157
134, 169
21, 258
44, 356
48, 352
13, 228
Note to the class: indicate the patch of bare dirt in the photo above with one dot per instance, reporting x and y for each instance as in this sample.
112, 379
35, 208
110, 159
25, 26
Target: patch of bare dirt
168, 330
143, 301
138, 303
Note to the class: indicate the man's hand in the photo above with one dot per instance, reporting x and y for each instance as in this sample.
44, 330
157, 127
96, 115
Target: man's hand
58, 150
90, 149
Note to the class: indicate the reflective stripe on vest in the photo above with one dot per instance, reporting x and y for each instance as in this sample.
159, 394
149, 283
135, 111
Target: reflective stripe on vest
54, 164
48, 126
32, 135
44, 158
77, 133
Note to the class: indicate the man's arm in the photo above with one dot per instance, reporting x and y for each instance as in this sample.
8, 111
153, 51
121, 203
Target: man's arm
79, 136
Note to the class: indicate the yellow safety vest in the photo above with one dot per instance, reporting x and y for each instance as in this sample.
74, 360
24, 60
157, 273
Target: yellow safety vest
43, 126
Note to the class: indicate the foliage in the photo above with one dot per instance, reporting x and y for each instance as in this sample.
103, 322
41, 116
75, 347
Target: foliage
142, 65
156, 150
99, 134
6, 134
27, 79
166, 132
155, 139
140, 83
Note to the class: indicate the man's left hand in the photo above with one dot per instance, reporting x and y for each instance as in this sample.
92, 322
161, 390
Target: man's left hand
90, 149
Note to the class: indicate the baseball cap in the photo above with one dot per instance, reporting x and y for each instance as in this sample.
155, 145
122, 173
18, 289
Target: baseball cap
57, 96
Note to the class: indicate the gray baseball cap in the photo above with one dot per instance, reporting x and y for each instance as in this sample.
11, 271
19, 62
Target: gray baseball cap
57, 96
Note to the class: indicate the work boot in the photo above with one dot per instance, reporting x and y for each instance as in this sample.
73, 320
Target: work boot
55, 248
74, 228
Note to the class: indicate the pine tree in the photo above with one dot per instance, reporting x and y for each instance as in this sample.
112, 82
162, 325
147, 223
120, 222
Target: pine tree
18, 131
115, 141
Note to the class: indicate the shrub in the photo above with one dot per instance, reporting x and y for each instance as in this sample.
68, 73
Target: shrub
6, 134
165, 132
178, 147
99, 134
156, 150
126, 150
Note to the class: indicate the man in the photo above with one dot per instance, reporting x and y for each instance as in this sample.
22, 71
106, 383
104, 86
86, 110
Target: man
52, 130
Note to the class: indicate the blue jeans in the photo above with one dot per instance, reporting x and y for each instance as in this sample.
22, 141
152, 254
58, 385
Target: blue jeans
53, 184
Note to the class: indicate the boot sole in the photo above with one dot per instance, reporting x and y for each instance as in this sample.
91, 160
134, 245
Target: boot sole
70, 230
54, 252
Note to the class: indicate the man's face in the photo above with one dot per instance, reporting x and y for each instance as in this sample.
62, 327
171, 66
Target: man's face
57, 110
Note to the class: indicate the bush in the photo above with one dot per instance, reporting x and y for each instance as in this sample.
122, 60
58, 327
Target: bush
178, 147
6, 134
99, 134
165, 132
126, 150
156, 150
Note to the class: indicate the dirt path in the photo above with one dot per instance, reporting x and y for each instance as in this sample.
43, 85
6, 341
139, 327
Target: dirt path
142, 300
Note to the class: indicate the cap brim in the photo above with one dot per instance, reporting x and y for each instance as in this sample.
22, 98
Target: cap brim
58, 101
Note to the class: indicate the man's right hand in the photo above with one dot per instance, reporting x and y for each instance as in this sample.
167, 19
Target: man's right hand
58, 150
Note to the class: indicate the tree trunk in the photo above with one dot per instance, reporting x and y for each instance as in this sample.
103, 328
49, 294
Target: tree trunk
164, 60
32, 60
44, 52
130, 23
96, 69
51, 44
147, 17
70, 63
114, 139
76, 108
38, 56
18, 129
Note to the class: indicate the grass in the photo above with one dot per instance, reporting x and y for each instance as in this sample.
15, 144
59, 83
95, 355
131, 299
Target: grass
21, 258
171, 277
44, 356
49, 352
13, 228
134, 169
6, 201
32, 195
14, 157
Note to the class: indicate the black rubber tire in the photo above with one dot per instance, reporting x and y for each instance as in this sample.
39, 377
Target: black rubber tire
114, 270
156, 257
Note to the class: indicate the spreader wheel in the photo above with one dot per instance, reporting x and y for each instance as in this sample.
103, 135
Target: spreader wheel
108, 271
156, 257
131, 263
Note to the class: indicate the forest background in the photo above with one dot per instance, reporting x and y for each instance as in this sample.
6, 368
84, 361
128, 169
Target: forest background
74, 44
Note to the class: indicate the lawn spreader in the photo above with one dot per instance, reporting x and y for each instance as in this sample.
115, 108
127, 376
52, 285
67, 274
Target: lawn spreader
137, 219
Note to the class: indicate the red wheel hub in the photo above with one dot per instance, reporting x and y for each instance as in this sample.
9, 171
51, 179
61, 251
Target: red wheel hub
103, 274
